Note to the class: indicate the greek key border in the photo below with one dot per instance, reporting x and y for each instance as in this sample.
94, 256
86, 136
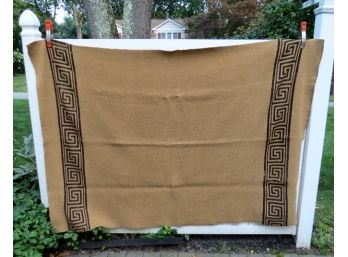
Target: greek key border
276, 162
68, 110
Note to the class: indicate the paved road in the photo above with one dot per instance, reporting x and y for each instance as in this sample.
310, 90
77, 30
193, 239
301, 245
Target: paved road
177, 254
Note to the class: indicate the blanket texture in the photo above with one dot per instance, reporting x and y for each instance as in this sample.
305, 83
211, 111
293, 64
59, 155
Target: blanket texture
146, 138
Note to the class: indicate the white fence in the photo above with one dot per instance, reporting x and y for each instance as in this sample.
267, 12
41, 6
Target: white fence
312, 146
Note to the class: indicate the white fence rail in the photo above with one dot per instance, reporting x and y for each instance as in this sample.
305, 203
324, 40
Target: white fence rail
313, 143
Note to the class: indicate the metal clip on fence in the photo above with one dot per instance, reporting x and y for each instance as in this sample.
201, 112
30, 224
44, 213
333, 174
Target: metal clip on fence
303, 33
49, 32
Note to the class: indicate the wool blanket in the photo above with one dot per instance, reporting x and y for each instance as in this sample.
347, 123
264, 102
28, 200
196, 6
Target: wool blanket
146, 138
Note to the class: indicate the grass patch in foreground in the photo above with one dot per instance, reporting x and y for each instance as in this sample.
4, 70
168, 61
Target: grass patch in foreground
21, 121
323, 232
19, 83
21, 126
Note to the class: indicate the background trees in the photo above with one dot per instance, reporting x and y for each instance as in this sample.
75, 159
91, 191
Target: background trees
177, 9
204, 18
74, 8
221, 18
42, 9
278, 19
67, 29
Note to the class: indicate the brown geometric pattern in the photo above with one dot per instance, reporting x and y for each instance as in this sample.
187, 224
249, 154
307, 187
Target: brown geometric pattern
64, 78
275, 198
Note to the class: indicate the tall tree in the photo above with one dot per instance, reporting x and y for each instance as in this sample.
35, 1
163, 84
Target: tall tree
78, 19
137, 19
100, 18
67, 29
75, 8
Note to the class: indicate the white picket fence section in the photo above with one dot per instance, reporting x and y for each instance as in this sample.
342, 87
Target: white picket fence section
312, 146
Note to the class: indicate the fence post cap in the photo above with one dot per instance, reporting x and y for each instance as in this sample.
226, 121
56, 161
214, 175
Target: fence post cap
28, 18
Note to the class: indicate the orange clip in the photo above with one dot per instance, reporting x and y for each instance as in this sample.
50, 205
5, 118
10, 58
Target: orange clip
49, 32
303, 26
303, 33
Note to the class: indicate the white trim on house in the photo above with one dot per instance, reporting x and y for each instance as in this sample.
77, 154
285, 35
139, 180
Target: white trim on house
168, 20
167, 30
119, 30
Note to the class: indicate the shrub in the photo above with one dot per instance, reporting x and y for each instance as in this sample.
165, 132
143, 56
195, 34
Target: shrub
323, 237
33, 232
279, 19
18, 63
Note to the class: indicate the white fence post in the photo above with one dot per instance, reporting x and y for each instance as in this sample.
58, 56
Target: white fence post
314, 140
30, 32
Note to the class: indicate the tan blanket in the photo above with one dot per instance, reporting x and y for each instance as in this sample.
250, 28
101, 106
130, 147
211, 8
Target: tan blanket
138, 139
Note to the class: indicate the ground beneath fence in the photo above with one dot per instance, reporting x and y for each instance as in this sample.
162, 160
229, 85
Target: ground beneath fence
220, 244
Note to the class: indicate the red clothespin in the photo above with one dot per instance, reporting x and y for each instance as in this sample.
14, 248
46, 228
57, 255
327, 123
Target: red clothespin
303, 33
49, 32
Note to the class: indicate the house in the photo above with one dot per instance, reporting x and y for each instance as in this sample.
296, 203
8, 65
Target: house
162, 28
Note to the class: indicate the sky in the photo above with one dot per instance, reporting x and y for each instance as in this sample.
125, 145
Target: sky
61, 13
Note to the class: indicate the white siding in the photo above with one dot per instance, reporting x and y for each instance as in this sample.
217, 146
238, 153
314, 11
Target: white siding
170, 27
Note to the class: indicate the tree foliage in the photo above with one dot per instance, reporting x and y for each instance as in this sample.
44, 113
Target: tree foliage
117, 8
42, 11
67, 29
74, 8
221, 18
279, 19
176, 9
165, 8
47, 8
18, 7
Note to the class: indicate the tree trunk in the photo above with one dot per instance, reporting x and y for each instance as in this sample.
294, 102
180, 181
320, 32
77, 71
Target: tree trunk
100, 18
137, 19
77, 21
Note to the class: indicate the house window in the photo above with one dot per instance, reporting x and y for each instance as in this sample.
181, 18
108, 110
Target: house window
176, 35
169, 35
161, 35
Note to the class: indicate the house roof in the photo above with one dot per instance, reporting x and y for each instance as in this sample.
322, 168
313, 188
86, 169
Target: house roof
166, 21
156, 22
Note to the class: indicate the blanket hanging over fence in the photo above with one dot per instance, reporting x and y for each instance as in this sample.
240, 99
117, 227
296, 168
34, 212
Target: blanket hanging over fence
145, 138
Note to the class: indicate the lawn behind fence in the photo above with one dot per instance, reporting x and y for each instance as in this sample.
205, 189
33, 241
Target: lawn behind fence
323, 236
19, 83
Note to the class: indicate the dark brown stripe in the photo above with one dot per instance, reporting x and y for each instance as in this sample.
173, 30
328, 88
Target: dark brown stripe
68, 110
276, 163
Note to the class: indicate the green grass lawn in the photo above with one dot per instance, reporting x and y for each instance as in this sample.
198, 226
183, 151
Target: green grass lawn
21, 127
21, 122
19, 83
323, 236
